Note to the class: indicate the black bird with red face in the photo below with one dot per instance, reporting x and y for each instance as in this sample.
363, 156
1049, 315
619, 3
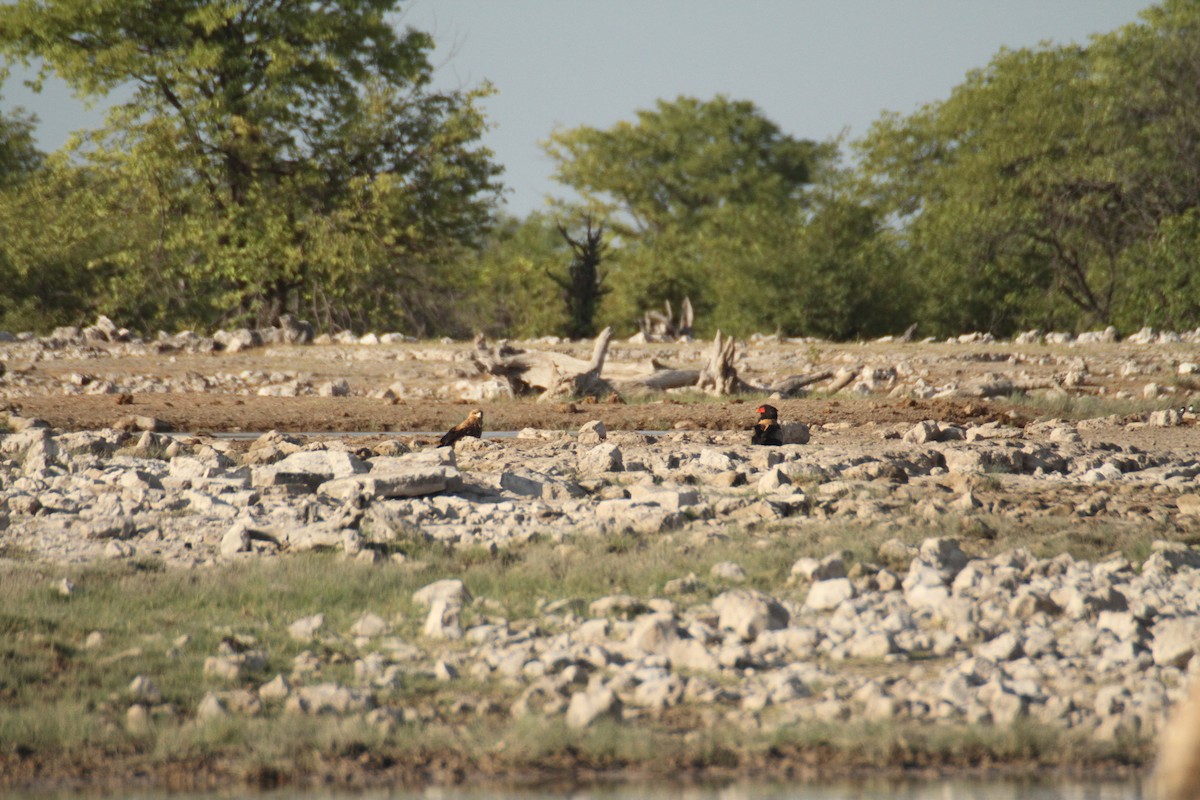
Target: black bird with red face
766, 430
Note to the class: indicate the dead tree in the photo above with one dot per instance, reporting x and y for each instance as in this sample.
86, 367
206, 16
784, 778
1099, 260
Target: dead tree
546, 372
583, 285
797, 385
719, 376
657, 325
657, 380
686, 318
585, 383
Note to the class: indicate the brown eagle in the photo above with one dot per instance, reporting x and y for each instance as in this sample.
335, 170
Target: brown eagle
766, 430
471, 426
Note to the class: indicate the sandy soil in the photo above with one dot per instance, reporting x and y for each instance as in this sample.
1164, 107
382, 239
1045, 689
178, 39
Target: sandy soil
432, 376
203, 412
220, 393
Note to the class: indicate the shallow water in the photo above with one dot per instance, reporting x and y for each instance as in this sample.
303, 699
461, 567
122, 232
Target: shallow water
935, 790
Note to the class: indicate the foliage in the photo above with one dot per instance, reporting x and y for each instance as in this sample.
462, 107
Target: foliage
712, 201
19, 156
645, 273
1163, 283
30, 281
511, 278
291, 155
583, 285
824, 275
275, 156
1036, 194
684, 161
56, 249
969, 177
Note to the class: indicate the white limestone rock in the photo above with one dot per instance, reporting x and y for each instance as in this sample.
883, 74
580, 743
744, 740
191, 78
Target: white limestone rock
748, 612
305, 628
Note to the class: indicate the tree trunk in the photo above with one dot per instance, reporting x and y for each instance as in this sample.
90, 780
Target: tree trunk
659, 380
585, 383
719, 377
843, 378
795, 384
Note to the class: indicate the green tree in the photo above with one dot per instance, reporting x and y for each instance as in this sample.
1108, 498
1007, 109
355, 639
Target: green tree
1163, 283
703, 198
19, 155
583, 284
684, 161
1022, 197
55, 245
1158, 63
511, 278
292, 155
973, 180
828, 273
44, 248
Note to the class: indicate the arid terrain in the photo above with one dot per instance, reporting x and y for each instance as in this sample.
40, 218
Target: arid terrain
77, 386
231, 564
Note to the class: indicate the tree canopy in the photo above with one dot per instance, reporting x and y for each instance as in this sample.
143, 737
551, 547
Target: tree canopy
19, 156
683, 161
278, 157
292, 154
1041, 191
712, 200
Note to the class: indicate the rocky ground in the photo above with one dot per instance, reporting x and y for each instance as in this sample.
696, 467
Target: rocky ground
993, 534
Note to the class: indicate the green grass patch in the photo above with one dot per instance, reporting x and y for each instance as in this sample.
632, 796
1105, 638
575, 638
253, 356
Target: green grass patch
911, 744
64, 695
1066, 406
980, 535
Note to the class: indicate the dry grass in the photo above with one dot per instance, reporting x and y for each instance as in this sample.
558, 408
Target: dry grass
63, 700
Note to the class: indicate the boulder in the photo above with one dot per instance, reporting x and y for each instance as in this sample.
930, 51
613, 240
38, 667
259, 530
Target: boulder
408, 483
589, 706
747, 612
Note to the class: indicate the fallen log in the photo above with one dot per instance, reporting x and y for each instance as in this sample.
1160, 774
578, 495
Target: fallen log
842, 379
659, 380
793, 384
581, 383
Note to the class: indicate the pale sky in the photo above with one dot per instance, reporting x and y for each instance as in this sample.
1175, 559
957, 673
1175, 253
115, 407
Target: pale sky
814, 67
